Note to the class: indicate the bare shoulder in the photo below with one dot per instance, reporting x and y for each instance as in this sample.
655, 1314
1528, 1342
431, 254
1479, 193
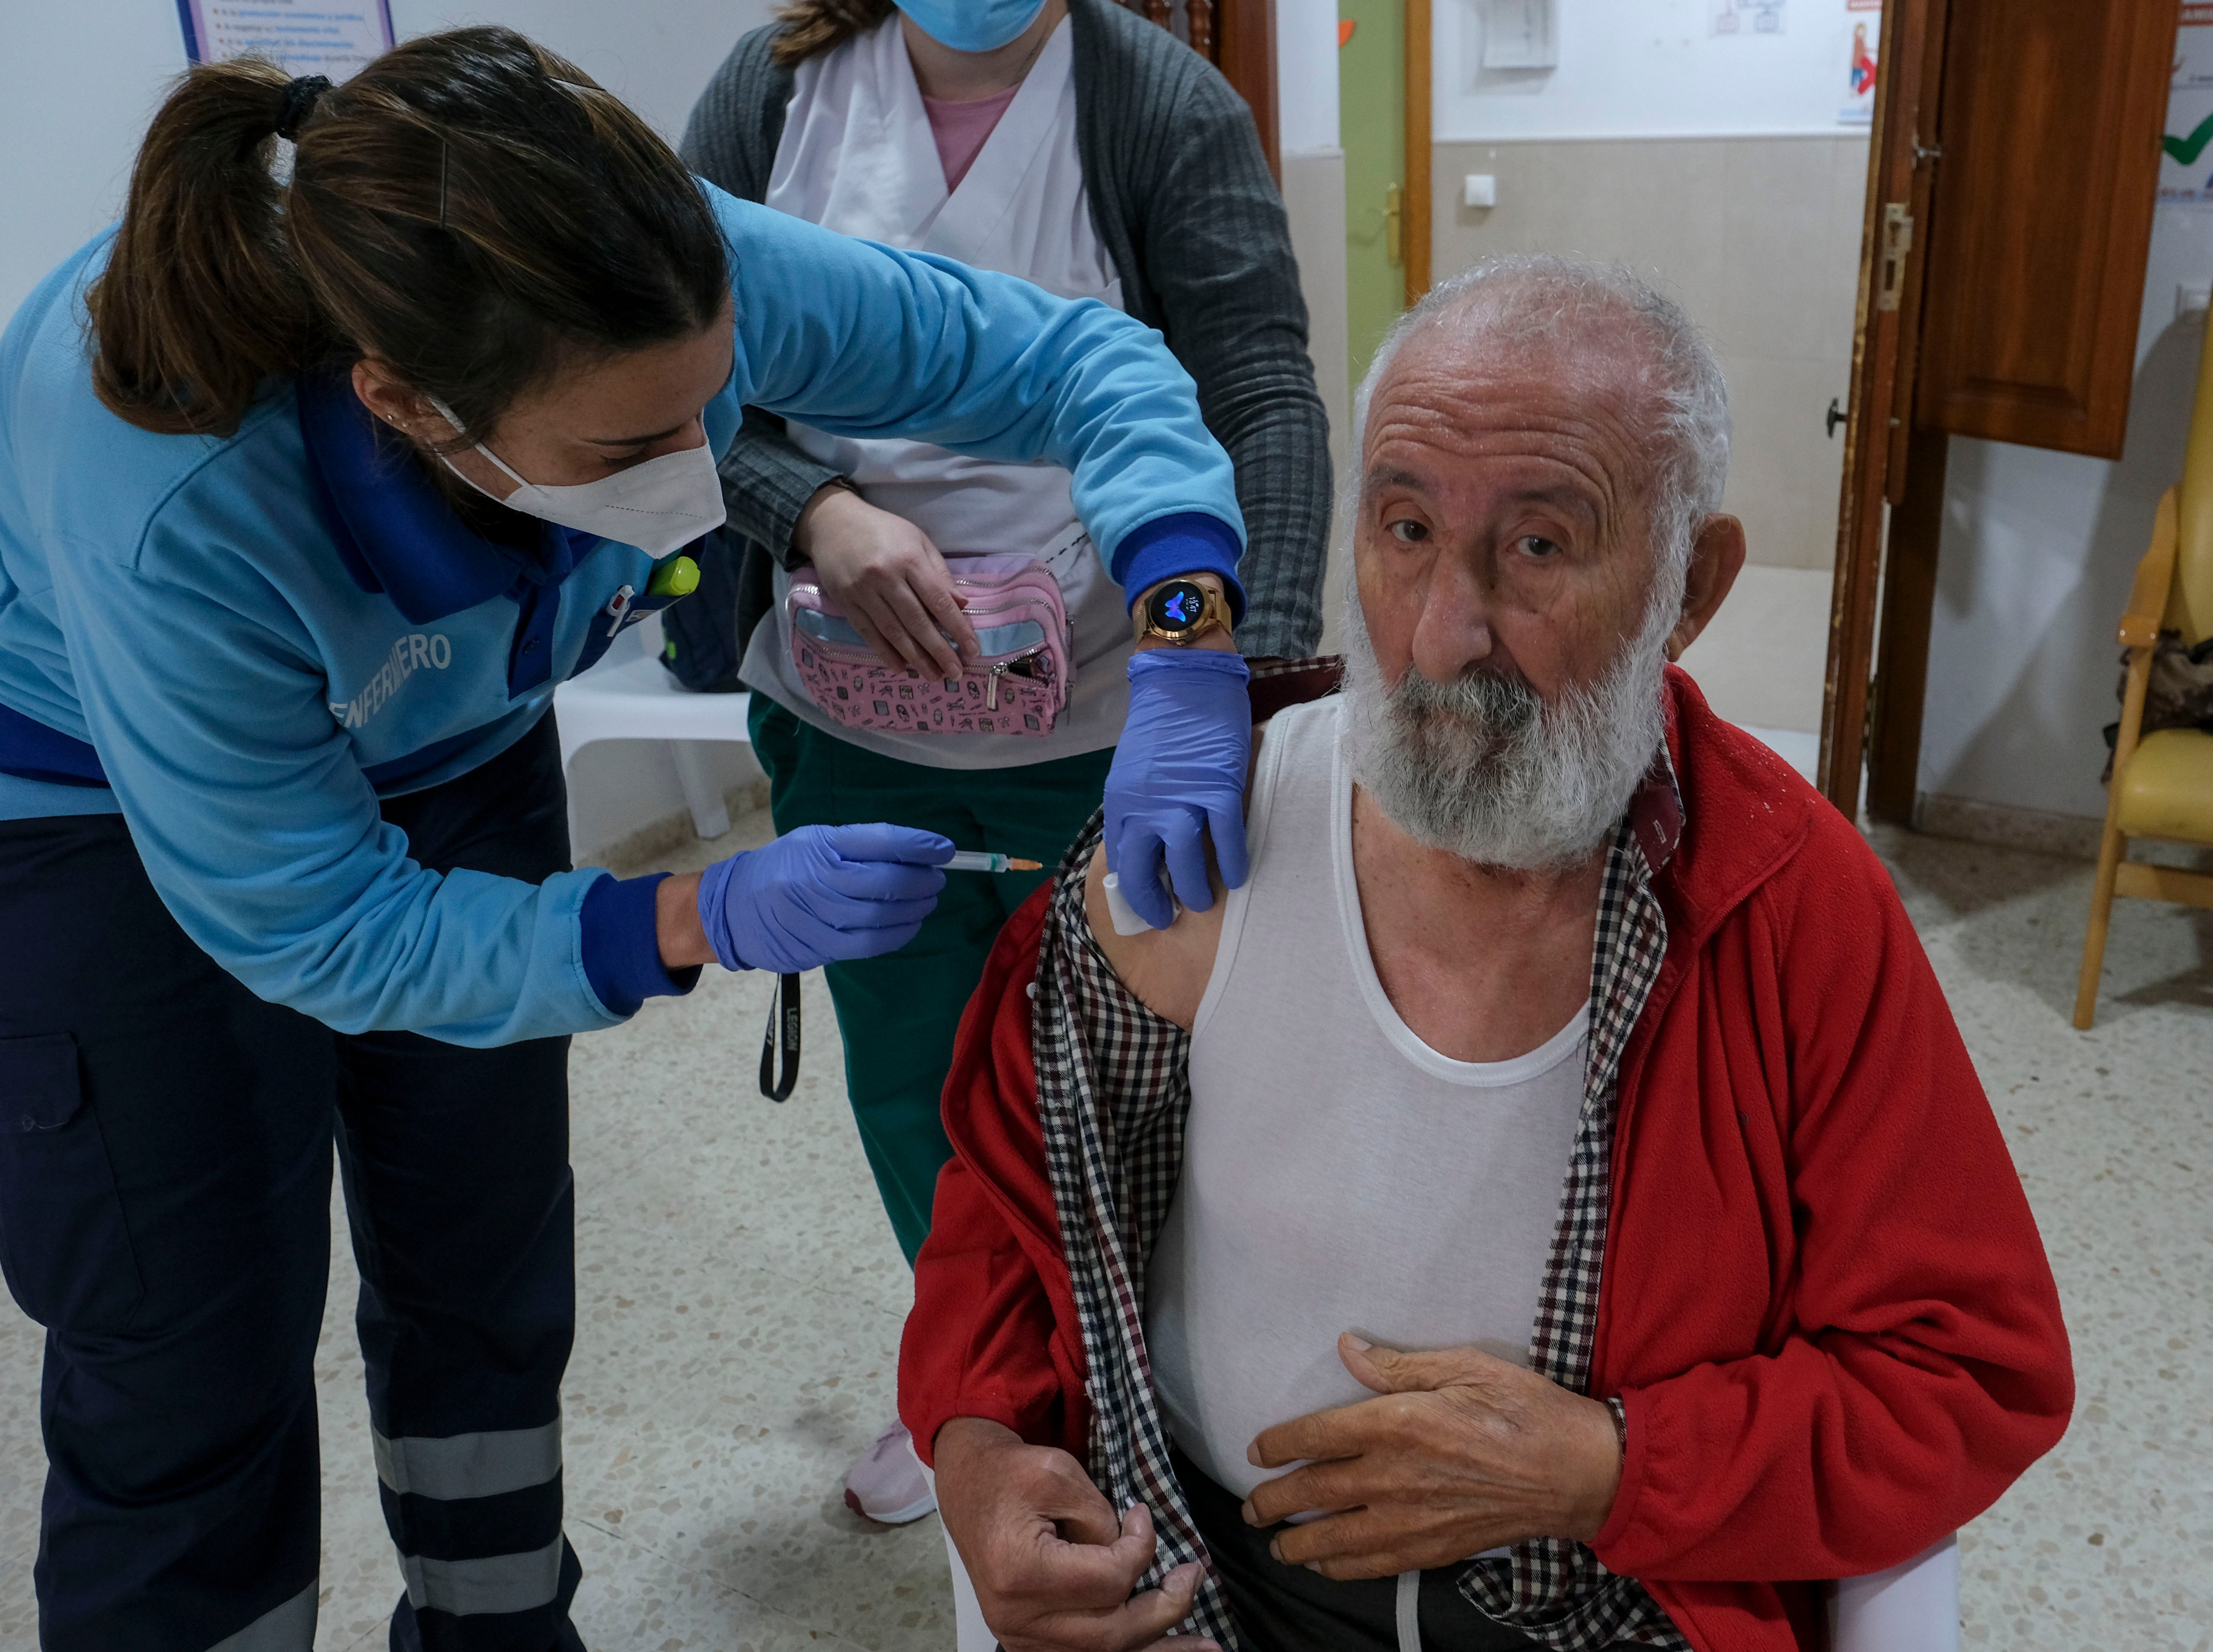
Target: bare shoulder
1166, 970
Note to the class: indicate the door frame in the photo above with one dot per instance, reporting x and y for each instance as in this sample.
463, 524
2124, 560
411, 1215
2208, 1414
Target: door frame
1879, 423
1415, 192
1245, 51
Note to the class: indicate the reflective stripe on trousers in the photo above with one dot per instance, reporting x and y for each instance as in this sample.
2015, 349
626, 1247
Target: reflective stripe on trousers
288, 1628
469, 1464
465, 1466
468, 1589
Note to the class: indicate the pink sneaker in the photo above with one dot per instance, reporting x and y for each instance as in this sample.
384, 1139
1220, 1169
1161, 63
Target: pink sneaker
888, 1484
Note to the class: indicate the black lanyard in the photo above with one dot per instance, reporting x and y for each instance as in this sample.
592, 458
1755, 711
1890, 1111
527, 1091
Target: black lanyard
782, 1034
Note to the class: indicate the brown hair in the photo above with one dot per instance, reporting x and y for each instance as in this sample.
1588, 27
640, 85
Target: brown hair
813, 27
470, 208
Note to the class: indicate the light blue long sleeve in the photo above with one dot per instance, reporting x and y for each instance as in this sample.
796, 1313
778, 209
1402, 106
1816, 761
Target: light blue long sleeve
912, 345
180, 603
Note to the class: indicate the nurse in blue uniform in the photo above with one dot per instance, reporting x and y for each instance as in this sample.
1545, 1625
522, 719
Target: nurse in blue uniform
310, 492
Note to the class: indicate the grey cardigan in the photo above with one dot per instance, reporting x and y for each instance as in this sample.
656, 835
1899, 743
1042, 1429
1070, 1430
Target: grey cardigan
1181, 197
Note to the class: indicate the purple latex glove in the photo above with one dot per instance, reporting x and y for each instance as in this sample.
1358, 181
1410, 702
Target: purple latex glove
1179, 772
821, 895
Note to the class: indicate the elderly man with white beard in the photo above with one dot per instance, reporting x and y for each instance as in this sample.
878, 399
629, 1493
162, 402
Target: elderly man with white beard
1549, 1204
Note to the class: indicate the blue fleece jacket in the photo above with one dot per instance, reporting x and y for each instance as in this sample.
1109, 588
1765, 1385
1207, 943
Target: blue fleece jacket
242, 643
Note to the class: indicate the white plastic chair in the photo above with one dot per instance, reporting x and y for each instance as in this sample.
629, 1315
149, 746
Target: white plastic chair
1913, 1607
629, 695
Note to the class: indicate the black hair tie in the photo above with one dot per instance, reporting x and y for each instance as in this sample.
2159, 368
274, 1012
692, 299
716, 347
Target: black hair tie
299, 98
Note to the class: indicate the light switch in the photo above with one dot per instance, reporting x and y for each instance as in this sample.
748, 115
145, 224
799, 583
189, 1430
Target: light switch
2192, 299
1479, 189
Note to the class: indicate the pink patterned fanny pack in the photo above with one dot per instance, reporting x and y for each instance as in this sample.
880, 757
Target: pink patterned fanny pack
1016, 686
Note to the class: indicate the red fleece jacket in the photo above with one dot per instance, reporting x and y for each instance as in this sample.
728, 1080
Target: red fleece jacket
1825, 1306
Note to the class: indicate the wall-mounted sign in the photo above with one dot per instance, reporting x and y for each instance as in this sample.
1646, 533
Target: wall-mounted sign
2185, 166
1682, 69
307, 37
1863, 27
1748, 17
1518, 34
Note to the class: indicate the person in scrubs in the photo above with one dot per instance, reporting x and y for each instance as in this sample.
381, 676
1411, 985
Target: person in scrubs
310, 492
1076, 145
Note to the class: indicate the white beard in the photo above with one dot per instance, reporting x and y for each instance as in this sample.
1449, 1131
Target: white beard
1483, 769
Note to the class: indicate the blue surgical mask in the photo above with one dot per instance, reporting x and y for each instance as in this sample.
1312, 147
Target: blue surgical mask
972, 25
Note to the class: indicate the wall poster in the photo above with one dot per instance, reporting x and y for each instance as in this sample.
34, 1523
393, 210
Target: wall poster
1863, 30
307, 37
2186, 169
1747, 16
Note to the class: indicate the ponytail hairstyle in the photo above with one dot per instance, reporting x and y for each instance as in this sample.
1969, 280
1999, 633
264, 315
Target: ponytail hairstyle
469, 208
813, 27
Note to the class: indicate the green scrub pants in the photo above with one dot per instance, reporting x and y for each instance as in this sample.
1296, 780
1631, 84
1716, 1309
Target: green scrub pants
898, 1014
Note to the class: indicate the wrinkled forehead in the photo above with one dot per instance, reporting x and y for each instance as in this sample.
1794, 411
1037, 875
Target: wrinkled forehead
1576, 385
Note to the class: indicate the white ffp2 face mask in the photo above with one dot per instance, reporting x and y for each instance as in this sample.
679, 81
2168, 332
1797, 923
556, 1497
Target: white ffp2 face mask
660, 506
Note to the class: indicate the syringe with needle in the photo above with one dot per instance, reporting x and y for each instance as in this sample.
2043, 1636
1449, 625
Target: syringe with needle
983, 860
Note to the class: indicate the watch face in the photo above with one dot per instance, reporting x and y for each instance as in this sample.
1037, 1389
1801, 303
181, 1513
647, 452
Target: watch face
1180, 605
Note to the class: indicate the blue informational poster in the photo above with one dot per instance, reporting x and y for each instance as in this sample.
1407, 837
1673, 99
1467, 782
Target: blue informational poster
307, 37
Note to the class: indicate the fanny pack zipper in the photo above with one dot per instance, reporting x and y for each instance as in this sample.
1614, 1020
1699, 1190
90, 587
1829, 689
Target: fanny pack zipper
992, 684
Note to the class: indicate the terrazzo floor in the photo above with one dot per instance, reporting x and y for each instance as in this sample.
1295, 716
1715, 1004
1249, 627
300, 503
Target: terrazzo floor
740, 1301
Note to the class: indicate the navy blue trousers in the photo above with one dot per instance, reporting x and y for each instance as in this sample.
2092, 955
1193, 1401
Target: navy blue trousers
164, 1162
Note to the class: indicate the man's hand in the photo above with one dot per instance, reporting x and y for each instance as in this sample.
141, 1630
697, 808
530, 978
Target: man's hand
1053, 1569
1465, 1452
890, 580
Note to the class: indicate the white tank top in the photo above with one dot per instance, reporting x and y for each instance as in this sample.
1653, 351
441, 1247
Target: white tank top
1338, 1175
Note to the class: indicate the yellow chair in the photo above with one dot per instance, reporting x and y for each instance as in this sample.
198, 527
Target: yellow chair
2162, 783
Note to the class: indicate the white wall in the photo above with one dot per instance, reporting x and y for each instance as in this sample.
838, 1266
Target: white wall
2037, 553
1308, 132
1646, 69
77, 83
1313, 190
1306, 76
655, 57
79, 80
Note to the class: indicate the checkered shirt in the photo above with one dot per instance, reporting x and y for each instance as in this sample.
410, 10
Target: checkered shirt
1113, 1094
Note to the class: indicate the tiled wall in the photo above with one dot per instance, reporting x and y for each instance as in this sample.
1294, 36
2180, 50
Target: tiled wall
1313, 199
1758, 238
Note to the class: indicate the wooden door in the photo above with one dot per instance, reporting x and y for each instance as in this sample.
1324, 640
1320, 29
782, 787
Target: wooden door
1907, 83
2011, 176
2050, 130
1415, 143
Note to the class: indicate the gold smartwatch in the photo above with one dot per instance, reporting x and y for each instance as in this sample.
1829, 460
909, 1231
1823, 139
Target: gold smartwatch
1181, 610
